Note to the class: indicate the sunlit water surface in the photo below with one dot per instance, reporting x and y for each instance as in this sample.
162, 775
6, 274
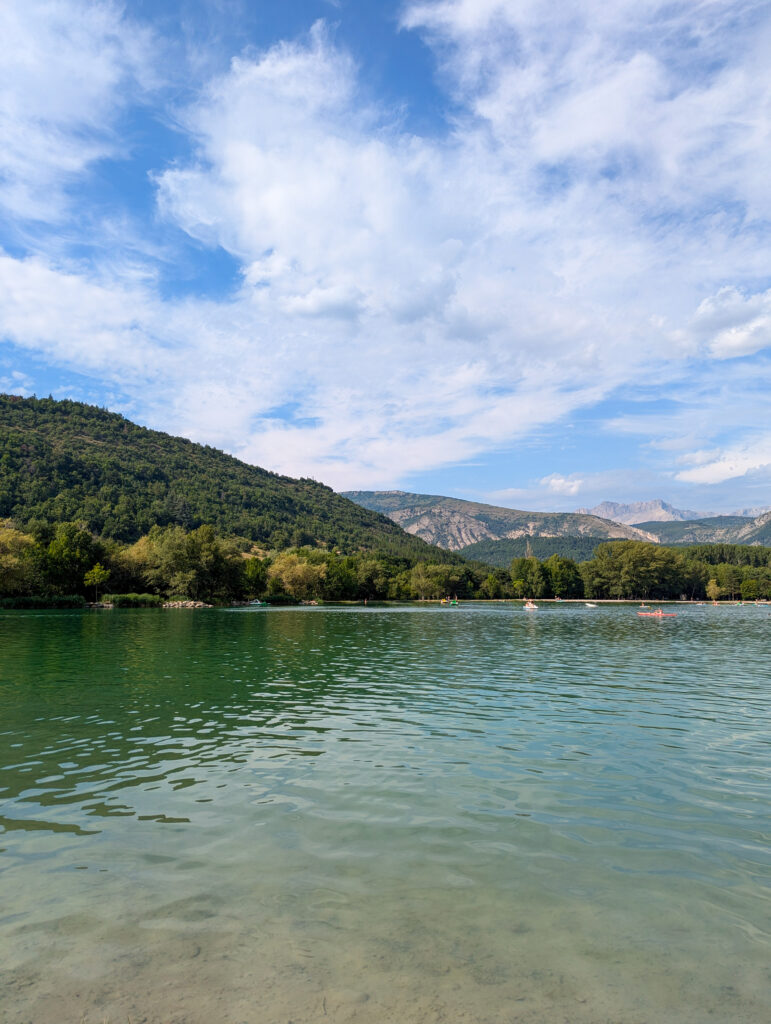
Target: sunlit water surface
404, 815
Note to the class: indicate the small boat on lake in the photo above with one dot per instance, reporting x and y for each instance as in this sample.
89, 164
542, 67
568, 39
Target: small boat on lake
658, 614
589, 604
530, 606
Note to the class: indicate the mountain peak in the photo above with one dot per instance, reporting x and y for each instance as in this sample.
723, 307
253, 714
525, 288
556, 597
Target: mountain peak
654, 511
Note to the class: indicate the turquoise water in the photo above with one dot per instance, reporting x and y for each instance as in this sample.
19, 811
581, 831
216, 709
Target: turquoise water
399, 814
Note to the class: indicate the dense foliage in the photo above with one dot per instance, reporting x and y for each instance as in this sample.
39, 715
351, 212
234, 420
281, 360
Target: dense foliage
170, 562
39, 601
70, 462
735, 554
501, 552
134, 600
631, 569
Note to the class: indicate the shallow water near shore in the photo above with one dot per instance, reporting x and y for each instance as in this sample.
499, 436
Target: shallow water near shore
397, 814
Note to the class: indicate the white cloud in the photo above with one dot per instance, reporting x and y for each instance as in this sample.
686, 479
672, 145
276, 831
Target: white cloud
76, 321
16, 383
733, 324
666, 103
556, 483
68, 68
408, 302
714, 467
453, 254
698, 405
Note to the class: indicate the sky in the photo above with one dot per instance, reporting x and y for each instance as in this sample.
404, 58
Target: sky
507, 250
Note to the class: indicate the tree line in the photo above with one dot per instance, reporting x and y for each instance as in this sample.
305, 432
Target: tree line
174, 563
628, 570
170, 562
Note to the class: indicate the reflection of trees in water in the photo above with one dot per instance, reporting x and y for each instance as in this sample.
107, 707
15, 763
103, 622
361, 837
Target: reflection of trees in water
98, 702
104, 704
108, 702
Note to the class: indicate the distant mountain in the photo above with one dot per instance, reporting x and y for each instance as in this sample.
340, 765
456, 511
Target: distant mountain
715, 530
69, 461
639, 513
710, 530
453, 523
636, 512
758, 531
752, 513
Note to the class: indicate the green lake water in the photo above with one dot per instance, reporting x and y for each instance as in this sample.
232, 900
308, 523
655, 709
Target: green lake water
397, 814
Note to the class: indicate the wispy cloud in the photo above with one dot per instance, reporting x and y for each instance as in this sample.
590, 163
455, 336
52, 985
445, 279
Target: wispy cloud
68, 70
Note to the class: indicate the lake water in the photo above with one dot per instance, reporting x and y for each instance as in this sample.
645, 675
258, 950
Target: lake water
372, 815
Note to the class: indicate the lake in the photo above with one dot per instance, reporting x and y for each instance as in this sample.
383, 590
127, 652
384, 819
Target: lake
390, 814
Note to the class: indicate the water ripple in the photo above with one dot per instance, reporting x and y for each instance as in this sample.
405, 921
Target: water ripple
569, 759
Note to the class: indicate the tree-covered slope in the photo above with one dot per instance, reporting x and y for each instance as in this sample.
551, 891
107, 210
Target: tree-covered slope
63, 461
454, 524
500, 552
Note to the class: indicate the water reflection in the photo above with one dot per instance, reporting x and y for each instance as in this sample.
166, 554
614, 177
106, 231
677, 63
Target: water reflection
419, 787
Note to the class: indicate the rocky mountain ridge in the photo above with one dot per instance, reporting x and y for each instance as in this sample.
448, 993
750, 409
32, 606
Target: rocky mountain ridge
636, 512
454, 523
657, 511
715, 530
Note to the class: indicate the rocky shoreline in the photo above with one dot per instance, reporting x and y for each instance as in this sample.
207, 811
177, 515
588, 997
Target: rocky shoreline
186, 604
167, 604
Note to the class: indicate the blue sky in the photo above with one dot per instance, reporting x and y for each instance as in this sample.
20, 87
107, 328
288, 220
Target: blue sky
509, 250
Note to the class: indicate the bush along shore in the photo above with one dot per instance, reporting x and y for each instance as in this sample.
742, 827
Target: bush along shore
64, 565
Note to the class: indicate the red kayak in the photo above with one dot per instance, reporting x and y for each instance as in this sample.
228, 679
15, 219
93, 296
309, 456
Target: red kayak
659, 615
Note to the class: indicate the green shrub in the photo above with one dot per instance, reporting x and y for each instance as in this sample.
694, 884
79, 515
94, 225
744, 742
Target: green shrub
53, 601
134, 600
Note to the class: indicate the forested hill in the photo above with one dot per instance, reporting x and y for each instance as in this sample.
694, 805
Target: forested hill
455, 524
501, 552
64, 461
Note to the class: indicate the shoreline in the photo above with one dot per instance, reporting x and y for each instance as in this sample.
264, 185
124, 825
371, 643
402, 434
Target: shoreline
96, 606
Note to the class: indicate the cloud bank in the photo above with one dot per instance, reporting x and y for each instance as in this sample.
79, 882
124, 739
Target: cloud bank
592, 220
